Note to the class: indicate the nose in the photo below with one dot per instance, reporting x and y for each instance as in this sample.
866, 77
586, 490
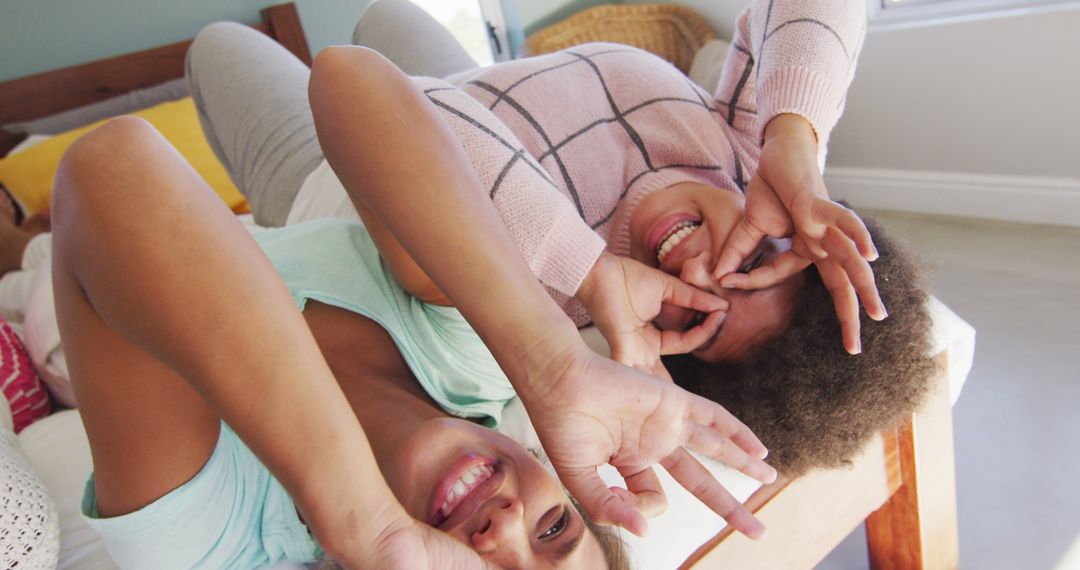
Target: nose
503, 532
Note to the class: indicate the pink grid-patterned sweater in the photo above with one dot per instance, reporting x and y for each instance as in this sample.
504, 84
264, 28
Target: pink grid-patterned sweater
568, 143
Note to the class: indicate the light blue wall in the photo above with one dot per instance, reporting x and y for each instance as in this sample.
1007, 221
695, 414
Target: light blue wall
40, 35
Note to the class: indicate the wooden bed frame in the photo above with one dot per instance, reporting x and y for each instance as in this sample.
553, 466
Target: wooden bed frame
902, 485
51, 92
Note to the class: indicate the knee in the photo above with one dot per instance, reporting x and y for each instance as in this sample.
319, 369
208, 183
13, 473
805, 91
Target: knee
215, 38
337, 65
210, 45
355, 77
100, 156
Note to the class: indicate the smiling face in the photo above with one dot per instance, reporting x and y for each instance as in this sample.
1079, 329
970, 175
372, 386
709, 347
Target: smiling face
681, 230
487, 491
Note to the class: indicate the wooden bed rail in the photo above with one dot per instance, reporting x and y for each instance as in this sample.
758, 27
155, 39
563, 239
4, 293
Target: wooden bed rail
51, 92
902, 485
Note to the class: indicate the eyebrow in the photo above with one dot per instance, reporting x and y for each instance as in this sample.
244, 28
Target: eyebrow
570, 546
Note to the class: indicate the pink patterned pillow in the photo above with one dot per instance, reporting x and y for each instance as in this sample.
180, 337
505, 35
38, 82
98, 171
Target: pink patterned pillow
25, 393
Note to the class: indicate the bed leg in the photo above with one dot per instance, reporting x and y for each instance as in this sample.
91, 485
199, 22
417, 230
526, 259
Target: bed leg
916, 528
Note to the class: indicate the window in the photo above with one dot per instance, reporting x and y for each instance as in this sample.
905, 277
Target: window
477, 24
890, 14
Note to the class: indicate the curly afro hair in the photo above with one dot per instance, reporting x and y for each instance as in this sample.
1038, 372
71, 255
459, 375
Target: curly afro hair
812, 404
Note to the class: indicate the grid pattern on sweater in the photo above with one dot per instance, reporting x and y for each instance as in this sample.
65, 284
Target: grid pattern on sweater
568, 144
602, 115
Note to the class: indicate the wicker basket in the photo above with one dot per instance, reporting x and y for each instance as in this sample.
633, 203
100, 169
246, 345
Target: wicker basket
672, 32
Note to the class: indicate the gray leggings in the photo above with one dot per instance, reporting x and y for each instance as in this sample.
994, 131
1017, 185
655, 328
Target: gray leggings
251, 95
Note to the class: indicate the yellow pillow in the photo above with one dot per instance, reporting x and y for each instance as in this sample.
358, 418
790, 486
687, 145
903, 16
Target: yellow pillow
29, 175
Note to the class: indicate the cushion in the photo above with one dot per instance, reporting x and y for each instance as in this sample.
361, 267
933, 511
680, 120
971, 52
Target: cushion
29, 175
22, 387
708, 64
59, 452
29, 530
111, 107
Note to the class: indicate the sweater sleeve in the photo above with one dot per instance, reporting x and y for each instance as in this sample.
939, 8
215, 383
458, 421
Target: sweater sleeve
558, 245
792, 56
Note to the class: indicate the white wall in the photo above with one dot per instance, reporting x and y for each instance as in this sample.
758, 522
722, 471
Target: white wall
976, 118
999, 96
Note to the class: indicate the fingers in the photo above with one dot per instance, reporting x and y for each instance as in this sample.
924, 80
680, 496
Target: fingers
858, 271
742, 240
680, 293
660, 371
694, 477
604, 505
779, 269
707, 442
844, 301
704, 413
850, 224
682, 342
644, 491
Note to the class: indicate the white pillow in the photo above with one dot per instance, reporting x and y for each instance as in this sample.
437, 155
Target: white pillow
7, 423
709, 64
60, 453
29, 534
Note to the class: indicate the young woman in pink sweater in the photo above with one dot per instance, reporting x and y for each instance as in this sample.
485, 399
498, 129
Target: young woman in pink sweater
605, 163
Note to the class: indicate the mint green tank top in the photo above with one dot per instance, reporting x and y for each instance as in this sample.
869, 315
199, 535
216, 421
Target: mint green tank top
336, 263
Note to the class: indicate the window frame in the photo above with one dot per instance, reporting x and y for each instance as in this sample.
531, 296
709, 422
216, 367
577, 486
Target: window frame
883, 16
492, 13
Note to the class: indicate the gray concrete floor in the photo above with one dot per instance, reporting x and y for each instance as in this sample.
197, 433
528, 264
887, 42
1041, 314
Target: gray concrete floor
1017, 422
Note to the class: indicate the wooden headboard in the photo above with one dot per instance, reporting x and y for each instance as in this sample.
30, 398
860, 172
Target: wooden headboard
51, 92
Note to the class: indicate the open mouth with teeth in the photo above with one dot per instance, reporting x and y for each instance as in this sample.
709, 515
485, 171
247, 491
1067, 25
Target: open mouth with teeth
461, 480
673, 237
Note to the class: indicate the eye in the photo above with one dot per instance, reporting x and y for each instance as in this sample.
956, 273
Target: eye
559, 526
699, 318
753, 263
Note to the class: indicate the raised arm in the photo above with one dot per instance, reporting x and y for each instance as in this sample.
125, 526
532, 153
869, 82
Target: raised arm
169, 299
783, 88
389, 146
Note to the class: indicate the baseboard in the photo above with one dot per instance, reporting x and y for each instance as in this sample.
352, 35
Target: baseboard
1036, 200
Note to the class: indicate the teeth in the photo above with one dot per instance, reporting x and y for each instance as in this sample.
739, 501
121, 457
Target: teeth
675, 235
464, 485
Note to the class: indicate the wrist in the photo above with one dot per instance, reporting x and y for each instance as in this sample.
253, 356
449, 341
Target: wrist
791, 127
356, 540
590, 286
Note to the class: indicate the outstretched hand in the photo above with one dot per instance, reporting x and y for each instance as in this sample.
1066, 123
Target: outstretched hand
787, 198
403, 542
596, 411
623, 297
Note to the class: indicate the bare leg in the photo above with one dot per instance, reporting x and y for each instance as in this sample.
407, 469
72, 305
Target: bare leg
164, 304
